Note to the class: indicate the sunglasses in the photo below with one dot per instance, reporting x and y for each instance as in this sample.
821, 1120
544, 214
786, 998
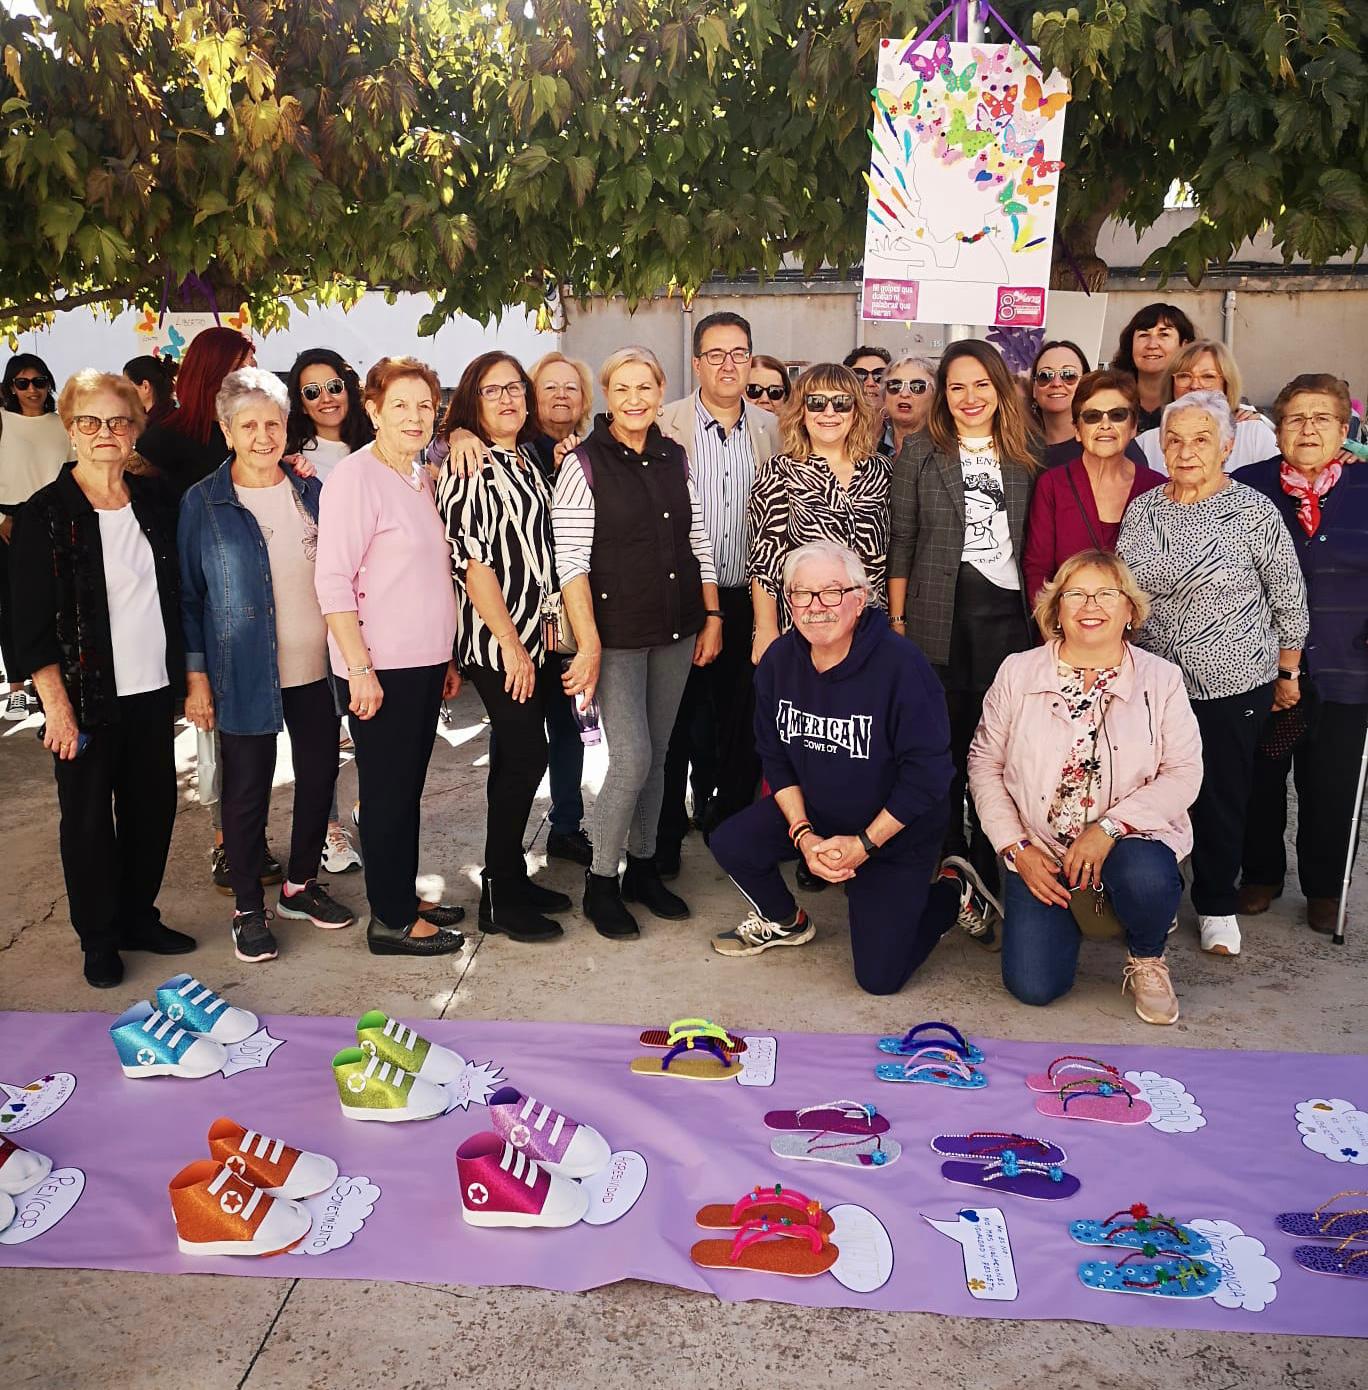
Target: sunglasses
1045, 375
864, 373
30, 383
776, 393
1118, 414
842, 405
93, 424
917, 386
335, 387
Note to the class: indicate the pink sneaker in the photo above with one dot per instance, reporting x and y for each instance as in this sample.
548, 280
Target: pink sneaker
502, 1187
554, 1140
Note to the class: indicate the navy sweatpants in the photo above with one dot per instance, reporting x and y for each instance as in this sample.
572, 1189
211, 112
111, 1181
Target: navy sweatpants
897, 914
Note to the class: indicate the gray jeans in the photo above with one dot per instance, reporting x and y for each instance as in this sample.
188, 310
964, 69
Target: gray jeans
639, 691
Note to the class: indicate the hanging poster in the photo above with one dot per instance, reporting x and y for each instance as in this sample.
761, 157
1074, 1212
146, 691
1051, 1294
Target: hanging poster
963, 184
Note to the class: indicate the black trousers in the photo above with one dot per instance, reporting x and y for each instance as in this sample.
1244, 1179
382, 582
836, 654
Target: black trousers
1325, 770
248, 770
517, 762
8, 655
965, 708
1230, 730
393, 749
118, 805
714, 730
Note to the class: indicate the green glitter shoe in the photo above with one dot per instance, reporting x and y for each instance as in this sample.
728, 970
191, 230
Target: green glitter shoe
372, 1089
377, 1035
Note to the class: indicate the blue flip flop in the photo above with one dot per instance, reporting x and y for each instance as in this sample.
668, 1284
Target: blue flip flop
1135, 1229
933, 1067
916, 1038
1162, 1279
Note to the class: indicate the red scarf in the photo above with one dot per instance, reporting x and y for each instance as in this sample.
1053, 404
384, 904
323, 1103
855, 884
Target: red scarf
1308, 492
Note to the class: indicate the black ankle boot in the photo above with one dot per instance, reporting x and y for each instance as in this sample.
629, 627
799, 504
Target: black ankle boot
507, 909
542, 898
603, 907
641, 884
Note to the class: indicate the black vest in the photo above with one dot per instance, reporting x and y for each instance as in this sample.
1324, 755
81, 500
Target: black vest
646, 584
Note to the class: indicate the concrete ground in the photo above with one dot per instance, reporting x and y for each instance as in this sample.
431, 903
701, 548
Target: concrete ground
1291, 990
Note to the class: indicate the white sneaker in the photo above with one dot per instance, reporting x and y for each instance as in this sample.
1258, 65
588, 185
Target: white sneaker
339, 854
16, 706
1220, 935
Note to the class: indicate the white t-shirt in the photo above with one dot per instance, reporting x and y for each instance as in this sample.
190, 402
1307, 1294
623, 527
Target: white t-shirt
33, 449
325, 455
987, 537
135, 616
1254, 442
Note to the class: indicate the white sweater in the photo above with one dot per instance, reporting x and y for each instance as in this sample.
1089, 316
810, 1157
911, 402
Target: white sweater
33, 449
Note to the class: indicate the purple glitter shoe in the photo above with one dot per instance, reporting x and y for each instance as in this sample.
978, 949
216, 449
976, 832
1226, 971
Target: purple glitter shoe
559, 1144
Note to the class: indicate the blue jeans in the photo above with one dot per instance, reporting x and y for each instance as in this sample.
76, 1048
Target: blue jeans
1040, 940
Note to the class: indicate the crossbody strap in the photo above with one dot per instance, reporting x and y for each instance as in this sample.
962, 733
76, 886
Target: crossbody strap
1087, 520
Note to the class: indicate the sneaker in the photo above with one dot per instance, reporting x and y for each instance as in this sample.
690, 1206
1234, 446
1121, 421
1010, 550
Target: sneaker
1220, 935
980, 913
371, 1089
502, 1187
392, 1041
570, 844
199, 1010
271, 870
1147, 978
21, 1168
758, 934
16, 705
219, 1212
339, 854
270, 1164
252, 939
150, 1044
313, 904
554, 1140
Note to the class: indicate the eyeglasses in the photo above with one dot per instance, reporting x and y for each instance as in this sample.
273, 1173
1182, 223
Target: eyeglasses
1320, 423
865, 373
1214, 380
1045, 375
776, 393
334, 387
715, 357
30, 383
842, 405
1118, 415
1078, 598
828, 598
93, 424
917, 386
514, 390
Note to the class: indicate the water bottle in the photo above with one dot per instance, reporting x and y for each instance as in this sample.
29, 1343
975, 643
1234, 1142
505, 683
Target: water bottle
586, 715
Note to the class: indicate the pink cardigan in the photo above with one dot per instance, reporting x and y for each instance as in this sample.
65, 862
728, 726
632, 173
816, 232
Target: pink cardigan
383, 554
1151, 772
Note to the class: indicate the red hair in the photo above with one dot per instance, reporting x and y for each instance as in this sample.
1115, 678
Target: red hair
388, 370
209, 358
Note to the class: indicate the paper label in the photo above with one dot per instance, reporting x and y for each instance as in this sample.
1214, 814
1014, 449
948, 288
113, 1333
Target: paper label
338, 1214
981, 1233
614, 1189
1020, 306
865, 1261
890, 299
1173, 1109
250, 1054
43, 1205
476, 1083
1334, 1128
23, 1106
1248, 1276
758, 1061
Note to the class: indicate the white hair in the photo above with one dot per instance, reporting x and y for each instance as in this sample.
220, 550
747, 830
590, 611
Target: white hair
1211, 403
245, 385
921, 362
827, 550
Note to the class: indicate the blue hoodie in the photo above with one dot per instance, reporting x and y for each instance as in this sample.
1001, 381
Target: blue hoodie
869, 735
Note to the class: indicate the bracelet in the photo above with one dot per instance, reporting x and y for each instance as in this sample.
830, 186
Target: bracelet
798, 838
1011, 852
713, 613
897, 622
360, 670
796, 830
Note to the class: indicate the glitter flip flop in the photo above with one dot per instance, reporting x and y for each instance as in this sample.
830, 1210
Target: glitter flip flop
1135, 1228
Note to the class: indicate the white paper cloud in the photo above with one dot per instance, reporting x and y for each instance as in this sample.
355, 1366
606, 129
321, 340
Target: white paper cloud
250, 1054
1172, 1107
338, 1214
476, 1083
1248, 1277
1335, 1128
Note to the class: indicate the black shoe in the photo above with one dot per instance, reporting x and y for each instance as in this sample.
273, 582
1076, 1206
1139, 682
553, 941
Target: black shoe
807, 880
271, 870
103, 968
157, 939
444, 915
641, 884
570, 844
507, 910
667, 861
603, 906
252, 939
544, 899
384, 940
314, 905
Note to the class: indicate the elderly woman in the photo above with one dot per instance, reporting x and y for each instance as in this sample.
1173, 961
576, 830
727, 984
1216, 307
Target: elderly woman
640, 590
97, 625
1228, 607
383, 580
1054, 376
1324, 503
1146, 348
499, 525
768, 386
826, 483
854, 738
908, 385
961, 492
256, 653
1079, 504
1083, 769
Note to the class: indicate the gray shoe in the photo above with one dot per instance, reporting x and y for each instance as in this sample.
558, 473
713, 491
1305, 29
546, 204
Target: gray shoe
757, 934
980, 913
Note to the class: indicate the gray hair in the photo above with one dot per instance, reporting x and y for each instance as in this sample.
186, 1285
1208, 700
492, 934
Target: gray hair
245, 385
827, 550
1211, 403
925, 364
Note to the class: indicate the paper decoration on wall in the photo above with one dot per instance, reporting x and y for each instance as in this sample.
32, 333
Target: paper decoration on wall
170, 334
1335, 1128
963, 184
981, 1233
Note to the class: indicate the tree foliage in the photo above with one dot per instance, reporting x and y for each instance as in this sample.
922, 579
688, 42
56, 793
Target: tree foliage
481, 152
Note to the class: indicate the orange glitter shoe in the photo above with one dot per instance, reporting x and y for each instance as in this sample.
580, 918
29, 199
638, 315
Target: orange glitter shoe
270, 1164
217, 1212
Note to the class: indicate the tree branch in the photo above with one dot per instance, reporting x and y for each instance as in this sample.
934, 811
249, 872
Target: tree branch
33, 308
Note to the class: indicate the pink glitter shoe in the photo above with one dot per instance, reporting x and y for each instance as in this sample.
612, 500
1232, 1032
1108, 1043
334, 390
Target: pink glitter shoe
502, 1187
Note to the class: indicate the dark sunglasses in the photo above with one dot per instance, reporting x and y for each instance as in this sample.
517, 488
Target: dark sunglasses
895, 386
1118, 415
313, 390
842, 405
1045, 375
30, 383
864, 373
776, 393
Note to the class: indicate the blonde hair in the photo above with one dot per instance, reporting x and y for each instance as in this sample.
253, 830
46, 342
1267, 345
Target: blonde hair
1183, 359
1046, 611
623, 357
80, 386
586, 381
835, 379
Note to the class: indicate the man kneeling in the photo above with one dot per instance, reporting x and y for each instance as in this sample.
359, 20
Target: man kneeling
851, 727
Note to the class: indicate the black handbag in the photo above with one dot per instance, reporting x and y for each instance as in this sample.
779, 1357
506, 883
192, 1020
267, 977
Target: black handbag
1285, 729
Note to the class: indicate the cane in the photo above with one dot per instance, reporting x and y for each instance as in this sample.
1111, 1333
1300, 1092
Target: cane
1338, 937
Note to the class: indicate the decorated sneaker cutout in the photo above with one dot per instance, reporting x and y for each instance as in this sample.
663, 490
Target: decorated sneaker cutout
380, 1036
502, 1187
981, 1234
983, 1145
847, 1150
150, 1044
1136, 1229
217, 1212
1321, 1224
770, 1246
683, 1028
20, 1168
39, 1208
831, 1117
943, 1035
774, 1201
1349, 1261
199, 1010
930, 1066
1177, 1277
557, 1142
1335, 1128
1079, 1069
270, 1164
370, 1089
21, 1107
691, 1059
1092, 1099
865, 1262
1022, 1177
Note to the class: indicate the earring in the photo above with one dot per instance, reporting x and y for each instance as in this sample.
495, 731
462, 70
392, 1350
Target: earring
1058, 629
1128, 627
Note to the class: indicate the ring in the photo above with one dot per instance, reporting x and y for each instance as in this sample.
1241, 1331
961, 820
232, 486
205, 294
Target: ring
1087, 863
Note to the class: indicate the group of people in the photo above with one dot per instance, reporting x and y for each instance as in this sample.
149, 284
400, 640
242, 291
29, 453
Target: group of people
979, 652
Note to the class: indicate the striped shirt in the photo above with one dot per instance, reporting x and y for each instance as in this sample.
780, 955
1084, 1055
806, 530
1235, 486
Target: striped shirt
722, 466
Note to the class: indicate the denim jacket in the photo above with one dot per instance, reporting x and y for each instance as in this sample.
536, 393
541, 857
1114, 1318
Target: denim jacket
227, 603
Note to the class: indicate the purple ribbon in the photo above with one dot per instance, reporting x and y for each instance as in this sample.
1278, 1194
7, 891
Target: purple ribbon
986, 8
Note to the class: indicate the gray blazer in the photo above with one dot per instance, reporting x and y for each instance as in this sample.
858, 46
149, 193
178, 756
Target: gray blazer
926, 506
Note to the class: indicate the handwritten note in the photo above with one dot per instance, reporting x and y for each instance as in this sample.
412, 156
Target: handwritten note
981, 1233
758, 1061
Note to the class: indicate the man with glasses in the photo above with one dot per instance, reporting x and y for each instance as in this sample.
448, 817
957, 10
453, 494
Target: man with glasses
725, 440
869, 364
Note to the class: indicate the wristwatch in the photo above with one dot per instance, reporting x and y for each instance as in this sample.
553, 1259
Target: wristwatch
870, 848
1113, 828
1286, 675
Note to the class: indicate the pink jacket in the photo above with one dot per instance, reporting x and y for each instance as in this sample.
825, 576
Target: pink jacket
1151, 755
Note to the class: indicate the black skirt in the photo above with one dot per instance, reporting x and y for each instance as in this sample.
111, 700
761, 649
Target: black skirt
989, 625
